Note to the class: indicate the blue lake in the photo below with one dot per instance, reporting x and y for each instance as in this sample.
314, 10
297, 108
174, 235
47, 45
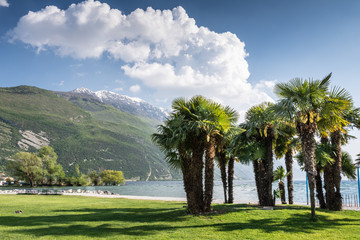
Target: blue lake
244, 190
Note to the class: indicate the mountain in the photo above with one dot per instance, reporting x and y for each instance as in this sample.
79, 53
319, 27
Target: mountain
131, 105
83, 129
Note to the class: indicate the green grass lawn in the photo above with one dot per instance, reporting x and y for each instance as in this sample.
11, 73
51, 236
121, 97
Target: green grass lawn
74, 217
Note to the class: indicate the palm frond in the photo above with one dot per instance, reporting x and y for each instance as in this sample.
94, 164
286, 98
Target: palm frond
279, 174
348, 168
357, 160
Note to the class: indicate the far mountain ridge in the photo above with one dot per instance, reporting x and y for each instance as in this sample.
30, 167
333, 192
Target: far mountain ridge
103, 94
85, 130
132, 105
82, 130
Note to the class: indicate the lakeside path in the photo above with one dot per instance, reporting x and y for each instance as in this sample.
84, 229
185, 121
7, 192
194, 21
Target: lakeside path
157, 198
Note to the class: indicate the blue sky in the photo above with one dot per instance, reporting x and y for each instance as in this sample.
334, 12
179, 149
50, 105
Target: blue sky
231, 51
283, 39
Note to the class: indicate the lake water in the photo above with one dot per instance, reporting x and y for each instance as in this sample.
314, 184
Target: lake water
244, 190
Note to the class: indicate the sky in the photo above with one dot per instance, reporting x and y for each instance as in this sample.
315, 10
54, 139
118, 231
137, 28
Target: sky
232, 51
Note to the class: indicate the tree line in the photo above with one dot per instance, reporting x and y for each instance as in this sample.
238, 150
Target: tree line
200, 132
42, 169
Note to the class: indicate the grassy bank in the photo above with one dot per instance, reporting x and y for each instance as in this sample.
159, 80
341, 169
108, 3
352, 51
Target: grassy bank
73, 217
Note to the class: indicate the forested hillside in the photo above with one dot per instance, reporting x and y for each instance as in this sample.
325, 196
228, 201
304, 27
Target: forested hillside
81, 130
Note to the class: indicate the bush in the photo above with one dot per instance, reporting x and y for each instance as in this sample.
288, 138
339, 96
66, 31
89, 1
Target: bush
112, 177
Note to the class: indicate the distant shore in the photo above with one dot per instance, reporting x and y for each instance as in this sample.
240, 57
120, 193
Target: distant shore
98, 193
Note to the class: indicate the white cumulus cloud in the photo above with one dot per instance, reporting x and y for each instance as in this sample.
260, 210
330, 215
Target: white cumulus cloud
165, 49
4, 3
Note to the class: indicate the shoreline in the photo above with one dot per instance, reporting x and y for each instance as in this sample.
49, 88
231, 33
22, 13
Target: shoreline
107, 194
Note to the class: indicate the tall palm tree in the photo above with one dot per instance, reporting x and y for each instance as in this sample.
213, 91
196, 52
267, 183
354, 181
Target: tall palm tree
300, 102
222, 160
323, 161
225, 159
324, 158
187, 135
333, 126
285, 146
220, 120
247, 150
172, 139
260, 126
180, 138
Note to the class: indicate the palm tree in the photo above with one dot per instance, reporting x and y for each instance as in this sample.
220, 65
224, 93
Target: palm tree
279, 175
325, 158
260, 126
222, 161
333, 126
224, 158
285, 146
322, 157
247, 150
180, 140
220, 120
300, 102
187, 135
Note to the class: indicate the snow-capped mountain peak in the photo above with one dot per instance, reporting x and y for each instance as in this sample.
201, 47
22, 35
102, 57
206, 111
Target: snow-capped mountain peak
108, 95
83, 90
132, 105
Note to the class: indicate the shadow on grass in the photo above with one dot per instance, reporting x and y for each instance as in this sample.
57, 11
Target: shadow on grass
149, 221
226, 208
132, 215
297, 223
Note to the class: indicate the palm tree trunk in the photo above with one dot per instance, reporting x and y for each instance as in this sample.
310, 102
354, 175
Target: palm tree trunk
189, 182
222, 163
262, 184
329, 187
282, 192
189, 190
269, 169
230, 180
209, 173
328, 181
308, 144
336, 169
319, 189
290, 184
197, 167
257, 172
312, 194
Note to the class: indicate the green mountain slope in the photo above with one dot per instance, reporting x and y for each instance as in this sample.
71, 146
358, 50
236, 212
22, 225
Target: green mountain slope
81, 130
